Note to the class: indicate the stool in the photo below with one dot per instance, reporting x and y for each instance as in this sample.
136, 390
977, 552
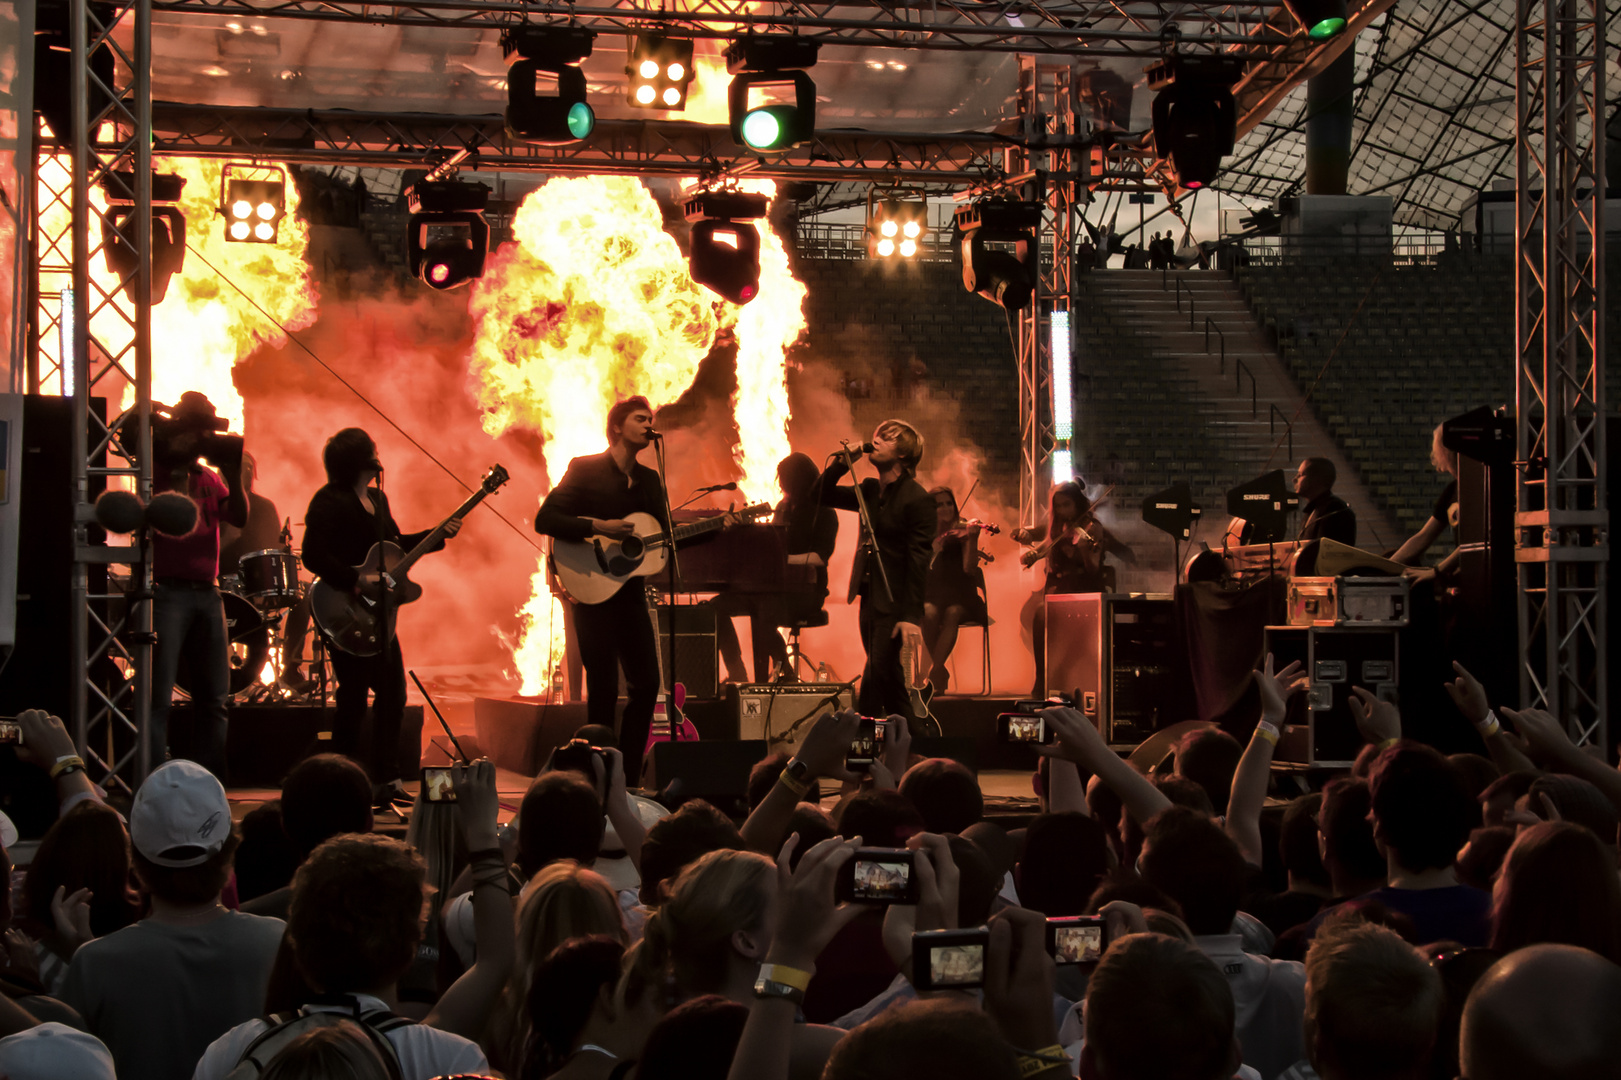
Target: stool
985, 626
795, 656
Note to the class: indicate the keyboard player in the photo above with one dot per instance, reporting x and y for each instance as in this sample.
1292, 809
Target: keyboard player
811, 532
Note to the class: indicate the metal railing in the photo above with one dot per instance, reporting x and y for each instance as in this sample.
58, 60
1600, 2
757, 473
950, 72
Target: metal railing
1274, 414
1209, 325
1241, 369
1280, 250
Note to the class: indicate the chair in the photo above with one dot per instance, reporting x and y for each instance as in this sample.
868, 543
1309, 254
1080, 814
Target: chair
795, 655
985, 628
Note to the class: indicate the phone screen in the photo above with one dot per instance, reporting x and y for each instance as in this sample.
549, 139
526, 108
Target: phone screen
436, 786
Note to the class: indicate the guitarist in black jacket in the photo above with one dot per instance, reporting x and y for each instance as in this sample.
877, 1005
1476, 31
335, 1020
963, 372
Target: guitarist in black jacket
344, 520
593, 499
903, 521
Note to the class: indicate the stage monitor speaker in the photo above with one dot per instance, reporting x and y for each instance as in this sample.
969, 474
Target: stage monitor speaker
696, 662
1322, 731
1118, 653
717, 772
781, 713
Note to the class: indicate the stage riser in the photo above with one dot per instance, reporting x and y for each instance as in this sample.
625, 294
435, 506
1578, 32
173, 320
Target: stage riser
263, 742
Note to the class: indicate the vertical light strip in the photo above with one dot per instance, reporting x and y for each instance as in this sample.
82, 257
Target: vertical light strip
64, 343
1063, 402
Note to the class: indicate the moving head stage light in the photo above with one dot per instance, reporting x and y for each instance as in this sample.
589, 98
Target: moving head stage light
725, 256
1195, 119
548, 58
448, 238
763, 69
168, 240
1003, 277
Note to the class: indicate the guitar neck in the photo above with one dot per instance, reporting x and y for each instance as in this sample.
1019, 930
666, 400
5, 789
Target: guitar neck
698, 528
405, 564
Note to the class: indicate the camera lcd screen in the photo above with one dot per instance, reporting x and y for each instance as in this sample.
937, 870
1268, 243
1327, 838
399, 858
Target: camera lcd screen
882, 879
437, 786
10, 731
1026, 729
957, 965
1082, 944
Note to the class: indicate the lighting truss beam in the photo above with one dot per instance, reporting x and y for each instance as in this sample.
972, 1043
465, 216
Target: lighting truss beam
1265, 85
632, 147
1095, 27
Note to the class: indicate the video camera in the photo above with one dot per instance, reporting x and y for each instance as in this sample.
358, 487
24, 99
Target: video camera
183, 433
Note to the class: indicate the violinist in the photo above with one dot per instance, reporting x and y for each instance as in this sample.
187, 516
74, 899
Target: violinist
952, 592
1075, 544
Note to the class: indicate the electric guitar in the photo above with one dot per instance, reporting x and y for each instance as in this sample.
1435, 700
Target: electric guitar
593, 570
364, 625
920, 695
669, 722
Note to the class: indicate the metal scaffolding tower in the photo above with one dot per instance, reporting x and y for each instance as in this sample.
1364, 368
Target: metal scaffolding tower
1561, 523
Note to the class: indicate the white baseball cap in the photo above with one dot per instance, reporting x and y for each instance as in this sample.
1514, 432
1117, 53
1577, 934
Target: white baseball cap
54, 1052
180, 816
8, 831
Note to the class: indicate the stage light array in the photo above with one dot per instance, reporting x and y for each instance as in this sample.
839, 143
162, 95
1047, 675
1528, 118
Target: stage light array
896, 227
1195, 118
771, 103
448, 239
253, 200
725, 245
546, 98
660, 71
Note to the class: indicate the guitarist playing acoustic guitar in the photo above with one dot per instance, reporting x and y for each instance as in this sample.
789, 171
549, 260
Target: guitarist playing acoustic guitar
344, 520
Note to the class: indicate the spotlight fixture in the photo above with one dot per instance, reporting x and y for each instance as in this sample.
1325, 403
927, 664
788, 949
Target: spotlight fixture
725, 250
771, 103
1321, 19
1002, 276
660, 71
253, 199
448, 238
1195, 120
53, 66
896, 227
168, 240
546, 88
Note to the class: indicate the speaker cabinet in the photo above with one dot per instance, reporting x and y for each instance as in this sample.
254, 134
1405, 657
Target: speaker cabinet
781, 713
696, 659
1118, 653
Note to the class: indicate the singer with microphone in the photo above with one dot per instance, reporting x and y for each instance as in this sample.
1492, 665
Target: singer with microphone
594, 497
890, 585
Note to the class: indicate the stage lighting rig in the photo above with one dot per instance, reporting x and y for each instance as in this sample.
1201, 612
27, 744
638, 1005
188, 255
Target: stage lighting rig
1321, 19
1002, 276
764, 70
168, 241
660, 71
253, 199
549, 60
896, 226
1195, 119
725, 250
448, 238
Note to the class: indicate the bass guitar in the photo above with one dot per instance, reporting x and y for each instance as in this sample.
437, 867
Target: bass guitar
593, 570
920, 695
364, 625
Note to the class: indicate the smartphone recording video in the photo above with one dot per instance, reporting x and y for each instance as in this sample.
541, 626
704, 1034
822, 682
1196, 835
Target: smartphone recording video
949, 959
1024, 727
879, 876
11, 732
866, 746
1076, 939
437, 786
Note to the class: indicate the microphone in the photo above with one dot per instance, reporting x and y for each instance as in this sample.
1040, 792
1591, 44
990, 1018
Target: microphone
720, 487
858, 449
651, 434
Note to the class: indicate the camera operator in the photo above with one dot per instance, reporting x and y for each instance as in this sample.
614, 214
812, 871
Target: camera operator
186, 612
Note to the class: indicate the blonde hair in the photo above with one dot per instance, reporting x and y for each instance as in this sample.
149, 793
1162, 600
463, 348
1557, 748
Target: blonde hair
562, 901
1444, 460
687, 940
908, 442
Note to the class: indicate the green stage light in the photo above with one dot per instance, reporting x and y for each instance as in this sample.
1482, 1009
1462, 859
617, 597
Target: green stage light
763, 128
581, 120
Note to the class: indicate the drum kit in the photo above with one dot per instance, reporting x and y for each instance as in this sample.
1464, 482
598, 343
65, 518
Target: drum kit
260, 600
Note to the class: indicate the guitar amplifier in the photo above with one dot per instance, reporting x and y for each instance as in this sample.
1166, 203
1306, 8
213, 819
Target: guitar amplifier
781, 713
1322, 730
1118, 653
697, 656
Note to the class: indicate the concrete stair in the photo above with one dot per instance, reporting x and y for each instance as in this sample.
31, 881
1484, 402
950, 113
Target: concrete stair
1246, 397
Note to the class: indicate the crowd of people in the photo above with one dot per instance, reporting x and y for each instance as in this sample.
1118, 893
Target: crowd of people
1422, 916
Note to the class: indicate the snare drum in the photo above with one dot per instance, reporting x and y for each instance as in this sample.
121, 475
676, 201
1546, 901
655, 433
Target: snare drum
270, 578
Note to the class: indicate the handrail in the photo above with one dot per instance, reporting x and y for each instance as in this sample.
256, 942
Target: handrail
1191, 304
1209, 324
1273, 415
1241, 369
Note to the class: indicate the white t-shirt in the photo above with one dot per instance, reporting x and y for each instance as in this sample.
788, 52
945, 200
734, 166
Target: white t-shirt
1270, 1000
424, 1052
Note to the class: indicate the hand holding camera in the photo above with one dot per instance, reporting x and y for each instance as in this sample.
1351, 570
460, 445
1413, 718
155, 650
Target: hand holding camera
1019, 977
474, 786
827, 743
806, 915
936, 907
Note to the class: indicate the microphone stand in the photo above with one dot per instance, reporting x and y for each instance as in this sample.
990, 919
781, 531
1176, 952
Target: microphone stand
675, 577
869, 538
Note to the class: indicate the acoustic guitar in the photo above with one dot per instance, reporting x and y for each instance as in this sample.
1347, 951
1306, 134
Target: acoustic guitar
594, 570
364, 625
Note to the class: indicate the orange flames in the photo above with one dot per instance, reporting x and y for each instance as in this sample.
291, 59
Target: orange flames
204, 325
592, 304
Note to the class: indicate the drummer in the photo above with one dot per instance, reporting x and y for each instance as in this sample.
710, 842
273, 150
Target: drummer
264, 532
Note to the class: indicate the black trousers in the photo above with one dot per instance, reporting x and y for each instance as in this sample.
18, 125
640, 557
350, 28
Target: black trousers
383, 676
615, 634
883, 684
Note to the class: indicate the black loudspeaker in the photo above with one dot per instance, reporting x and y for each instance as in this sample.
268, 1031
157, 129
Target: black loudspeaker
696, 660
1119, 653
1484, 626
1322, 728
717, 772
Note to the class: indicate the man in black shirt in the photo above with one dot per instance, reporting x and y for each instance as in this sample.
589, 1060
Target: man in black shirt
903, 535
1324, 514
344, 520
593, 499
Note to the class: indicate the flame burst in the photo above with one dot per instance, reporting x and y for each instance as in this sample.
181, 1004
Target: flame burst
592, 304
204, 325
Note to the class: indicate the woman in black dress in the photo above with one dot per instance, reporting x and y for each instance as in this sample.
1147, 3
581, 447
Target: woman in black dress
952, 591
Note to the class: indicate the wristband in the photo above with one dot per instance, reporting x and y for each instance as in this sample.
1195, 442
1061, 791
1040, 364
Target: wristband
780, 973
66, 764
766, 988
1266, 730
793, 784
1033, 1064
1388, 743
1489, 726
487, 853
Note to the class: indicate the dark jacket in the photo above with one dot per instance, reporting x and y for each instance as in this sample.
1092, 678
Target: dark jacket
593, 487
903, 525
338, 534
1329, 516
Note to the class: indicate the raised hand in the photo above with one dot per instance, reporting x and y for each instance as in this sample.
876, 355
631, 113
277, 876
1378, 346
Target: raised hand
806, 916
897, 744
1078, 738
1276, 688
936, 907
1378, 721
1019, 978
476, 803
827, 742
1545, 737
44, 738
1467, 693
70, 914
